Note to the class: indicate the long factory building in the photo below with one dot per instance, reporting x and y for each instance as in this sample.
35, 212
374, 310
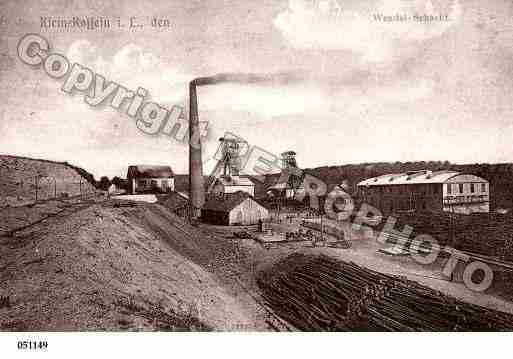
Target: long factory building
447, 191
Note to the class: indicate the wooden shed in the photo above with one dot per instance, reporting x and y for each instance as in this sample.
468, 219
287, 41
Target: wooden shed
233, 209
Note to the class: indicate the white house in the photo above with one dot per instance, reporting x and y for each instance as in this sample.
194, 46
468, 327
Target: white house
232, 184
150, 179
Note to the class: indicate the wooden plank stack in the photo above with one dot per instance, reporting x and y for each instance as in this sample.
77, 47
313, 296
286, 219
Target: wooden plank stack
488, 234
319, 293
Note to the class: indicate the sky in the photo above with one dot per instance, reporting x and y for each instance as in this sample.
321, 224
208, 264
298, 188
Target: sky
369, 91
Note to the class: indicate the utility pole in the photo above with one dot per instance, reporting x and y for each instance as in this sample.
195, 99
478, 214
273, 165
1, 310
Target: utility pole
37, 183
451, 230
322, 229
279, 207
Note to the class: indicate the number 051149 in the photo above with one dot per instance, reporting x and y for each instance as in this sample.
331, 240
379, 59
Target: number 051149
32, 345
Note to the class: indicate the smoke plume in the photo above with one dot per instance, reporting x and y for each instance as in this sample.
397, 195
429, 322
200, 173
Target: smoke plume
281, 78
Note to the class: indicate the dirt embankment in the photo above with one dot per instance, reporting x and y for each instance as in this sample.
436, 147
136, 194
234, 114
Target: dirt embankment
121, 268
23, 180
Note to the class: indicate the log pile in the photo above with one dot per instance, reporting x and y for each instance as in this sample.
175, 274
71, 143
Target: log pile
488, 234
318, 293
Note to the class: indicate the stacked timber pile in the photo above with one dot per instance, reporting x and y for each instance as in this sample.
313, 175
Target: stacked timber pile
318, 293
488, 234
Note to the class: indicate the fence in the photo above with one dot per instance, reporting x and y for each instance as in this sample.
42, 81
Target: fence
184, 211
39, 188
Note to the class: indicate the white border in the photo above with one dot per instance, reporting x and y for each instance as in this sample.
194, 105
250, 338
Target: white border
261, 345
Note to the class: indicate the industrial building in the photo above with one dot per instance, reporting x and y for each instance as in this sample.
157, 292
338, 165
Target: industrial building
438, 191
150, 179
290, 182
226, 178
233, 209
227, 184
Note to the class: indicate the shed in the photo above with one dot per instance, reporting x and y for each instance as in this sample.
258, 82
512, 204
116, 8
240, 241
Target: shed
176, 202
233, 209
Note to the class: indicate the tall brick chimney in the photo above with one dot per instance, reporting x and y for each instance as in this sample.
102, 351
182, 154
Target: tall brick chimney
196, 185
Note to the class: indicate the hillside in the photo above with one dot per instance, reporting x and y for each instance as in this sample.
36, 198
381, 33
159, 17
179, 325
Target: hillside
118, 265
111, 267
21, 179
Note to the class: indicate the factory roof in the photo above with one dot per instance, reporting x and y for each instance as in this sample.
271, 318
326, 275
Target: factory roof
418, 177
235, 181
226, 202
147, 171
280, 186
173, 200
466, 178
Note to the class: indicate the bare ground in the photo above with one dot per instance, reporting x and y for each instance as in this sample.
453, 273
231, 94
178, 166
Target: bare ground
99, 266
126, 268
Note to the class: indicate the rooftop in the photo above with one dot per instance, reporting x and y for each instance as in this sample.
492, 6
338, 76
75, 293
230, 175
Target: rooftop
227, 202
173, 200
148, 171
418, 177
235, 181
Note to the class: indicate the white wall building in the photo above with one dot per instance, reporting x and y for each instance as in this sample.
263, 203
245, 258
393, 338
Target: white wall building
465, 193
448, 191
150, 179
232, 184
233, 209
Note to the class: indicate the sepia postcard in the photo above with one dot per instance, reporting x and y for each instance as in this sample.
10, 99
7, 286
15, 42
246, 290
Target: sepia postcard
255, 166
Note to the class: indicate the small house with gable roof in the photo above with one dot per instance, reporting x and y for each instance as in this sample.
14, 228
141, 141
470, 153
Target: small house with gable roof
150, 179
233, 209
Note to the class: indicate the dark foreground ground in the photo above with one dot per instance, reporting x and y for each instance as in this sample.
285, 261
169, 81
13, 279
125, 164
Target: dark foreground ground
120, 265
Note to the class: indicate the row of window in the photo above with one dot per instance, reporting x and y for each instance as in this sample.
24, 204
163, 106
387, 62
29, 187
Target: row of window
465, 199
153, 183
451, 188
422, 188
458, 188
